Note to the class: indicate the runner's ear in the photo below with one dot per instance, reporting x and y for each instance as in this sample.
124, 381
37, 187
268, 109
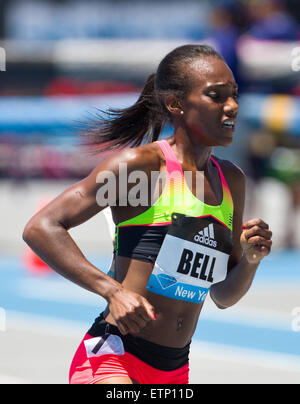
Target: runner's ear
173, 105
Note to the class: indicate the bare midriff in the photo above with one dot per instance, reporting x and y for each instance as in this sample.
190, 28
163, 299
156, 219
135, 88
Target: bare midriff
176, 320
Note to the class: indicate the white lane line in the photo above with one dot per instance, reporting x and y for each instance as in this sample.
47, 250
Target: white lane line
59, 290
249, 316
4, 379
46, 325
206, 350
244, 356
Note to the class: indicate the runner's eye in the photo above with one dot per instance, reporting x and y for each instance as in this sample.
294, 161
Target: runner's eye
214, 95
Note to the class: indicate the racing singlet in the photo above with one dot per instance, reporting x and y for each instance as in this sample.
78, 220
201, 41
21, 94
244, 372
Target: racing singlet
193, 256
188, 241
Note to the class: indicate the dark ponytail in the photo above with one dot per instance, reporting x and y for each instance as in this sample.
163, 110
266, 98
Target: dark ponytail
129, 126
145, 119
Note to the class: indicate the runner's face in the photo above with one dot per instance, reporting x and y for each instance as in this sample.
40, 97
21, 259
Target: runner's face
210, 109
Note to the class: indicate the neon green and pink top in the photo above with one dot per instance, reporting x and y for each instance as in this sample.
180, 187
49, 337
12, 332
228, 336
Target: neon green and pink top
141, 236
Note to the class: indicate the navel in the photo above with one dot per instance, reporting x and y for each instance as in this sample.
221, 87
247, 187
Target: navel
179, 323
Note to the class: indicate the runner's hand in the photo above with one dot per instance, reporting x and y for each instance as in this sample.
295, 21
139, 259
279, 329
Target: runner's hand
130, 311
256, 240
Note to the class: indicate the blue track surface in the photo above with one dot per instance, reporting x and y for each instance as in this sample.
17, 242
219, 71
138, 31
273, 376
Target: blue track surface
53, 297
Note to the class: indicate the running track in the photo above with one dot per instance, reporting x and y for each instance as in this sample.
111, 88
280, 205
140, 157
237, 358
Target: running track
261, 323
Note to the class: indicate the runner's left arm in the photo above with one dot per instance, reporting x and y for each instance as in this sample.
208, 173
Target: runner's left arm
252, 242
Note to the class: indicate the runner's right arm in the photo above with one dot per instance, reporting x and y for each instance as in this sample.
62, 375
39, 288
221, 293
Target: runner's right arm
47, 234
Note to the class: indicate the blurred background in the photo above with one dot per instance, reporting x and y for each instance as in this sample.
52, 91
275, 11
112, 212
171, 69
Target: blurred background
67, 59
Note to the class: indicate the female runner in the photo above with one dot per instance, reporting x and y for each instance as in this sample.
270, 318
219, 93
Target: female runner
170, 253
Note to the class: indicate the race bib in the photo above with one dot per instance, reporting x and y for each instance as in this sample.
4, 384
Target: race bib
193, 256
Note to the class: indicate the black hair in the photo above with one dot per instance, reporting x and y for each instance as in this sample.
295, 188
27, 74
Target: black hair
145, 119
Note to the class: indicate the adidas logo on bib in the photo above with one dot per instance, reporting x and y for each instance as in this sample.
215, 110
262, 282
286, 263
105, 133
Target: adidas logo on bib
206, 236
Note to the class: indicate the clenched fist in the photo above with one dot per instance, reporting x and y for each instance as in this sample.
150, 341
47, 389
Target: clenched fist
130, 311
256, 240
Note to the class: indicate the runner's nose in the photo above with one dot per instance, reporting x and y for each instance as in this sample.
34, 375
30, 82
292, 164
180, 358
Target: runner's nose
231, 108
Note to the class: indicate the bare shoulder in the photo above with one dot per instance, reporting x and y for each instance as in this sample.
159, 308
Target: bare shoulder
145, 158
231, 169
234, 176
